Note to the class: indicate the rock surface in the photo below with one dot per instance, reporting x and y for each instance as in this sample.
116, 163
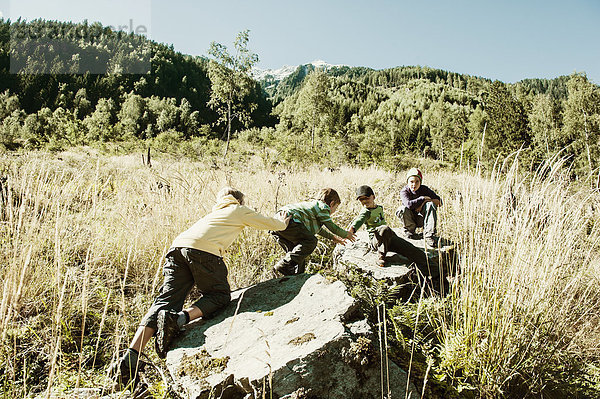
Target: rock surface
297, 335
359, 255
398, 271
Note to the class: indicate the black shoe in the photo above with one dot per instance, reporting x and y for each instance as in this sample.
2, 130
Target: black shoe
167, 331
411, 235
126, 370
285, 268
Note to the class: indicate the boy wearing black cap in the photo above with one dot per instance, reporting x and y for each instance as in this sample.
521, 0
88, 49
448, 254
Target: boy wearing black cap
381, 237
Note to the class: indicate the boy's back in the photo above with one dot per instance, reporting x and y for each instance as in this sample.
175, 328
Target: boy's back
307, 219
313, 215
217, 230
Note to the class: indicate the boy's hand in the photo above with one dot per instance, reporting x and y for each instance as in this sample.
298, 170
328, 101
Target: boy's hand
284, 217
351, 229
351, 236
339, 240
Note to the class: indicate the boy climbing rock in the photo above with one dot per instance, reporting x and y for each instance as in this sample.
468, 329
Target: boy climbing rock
307, 219
194, 259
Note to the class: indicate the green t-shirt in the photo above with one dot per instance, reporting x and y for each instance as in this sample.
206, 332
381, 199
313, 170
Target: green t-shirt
371, 218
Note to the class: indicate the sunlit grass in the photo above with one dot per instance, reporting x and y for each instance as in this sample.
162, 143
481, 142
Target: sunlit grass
83, 238
525, 311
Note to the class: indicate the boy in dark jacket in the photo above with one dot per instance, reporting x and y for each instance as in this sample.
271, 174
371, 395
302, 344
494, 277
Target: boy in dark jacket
419, 208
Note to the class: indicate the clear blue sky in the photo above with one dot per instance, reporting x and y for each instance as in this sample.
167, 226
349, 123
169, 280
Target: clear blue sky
508, 40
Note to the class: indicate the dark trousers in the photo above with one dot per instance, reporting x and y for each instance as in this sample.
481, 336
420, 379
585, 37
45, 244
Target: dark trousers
427, 219
385, 240
185, 268
298, 243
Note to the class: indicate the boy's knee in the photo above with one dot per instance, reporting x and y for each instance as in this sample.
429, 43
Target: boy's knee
212, 302
222, 298
401, 211
430, 206
311, 243
383, 232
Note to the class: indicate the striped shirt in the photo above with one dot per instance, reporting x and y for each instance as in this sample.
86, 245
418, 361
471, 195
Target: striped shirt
315, 215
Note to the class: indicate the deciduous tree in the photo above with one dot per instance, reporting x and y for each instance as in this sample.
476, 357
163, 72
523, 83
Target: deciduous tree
313, 103
582, 119
231, 82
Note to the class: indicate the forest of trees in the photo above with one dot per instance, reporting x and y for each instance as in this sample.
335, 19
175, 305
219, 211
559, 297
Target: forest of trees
341, 114
60, 109
373, 116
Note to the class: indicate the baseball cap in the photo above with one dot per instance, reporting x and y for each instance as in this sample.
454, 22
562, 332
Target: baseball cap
364, 191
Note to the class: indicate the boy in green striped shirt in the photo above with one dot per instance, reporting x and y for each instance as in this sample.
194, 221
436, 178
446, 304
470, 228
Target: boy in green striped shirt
307, 219
381, 237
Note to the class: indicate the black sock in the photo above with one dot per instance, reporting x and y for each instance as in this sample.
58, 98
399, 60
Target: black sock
183, 318
134, 351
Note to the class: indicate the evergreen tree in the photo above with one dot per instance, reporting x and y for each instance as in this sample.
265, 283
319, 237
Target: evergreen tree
82, 105
544, 123
507, 128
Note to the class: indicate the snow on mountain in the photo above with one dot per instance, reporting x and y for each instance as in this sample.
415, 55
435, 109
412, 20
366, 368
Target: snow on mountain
281, 73
324, 65
277, 74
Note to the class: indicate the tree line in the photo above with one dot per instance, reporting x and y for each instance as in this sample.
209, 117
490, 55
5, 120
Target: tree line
341, 114
374, 116
43, 104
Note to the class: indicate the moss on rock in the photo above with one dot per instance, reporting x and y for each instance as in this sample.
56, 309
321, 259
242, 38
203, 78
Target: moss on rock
201, 365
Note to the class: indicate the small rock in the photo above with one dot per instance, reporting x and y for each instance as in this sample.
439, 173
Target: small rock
359, 256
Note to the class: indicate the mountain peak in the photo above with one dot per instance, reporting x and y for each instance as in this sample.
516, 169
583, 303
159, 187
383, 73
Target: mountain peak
286, 70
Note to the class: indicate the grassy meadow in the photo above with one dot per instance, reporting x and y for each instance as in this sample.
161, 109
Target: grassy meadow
83, 236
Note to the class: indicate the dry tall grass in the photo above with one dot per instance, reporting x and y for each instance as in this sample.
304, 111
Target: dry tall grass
83, 237
525, 315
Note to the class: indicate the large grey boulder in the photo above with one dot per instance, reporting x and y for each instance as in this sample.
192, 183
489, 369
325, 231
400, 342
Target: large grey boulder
296, 335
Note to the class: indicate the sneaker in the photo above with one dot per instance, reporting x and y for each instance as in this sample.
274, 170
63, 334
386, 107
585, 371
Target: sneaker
167, 331
126, 370
431, 242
